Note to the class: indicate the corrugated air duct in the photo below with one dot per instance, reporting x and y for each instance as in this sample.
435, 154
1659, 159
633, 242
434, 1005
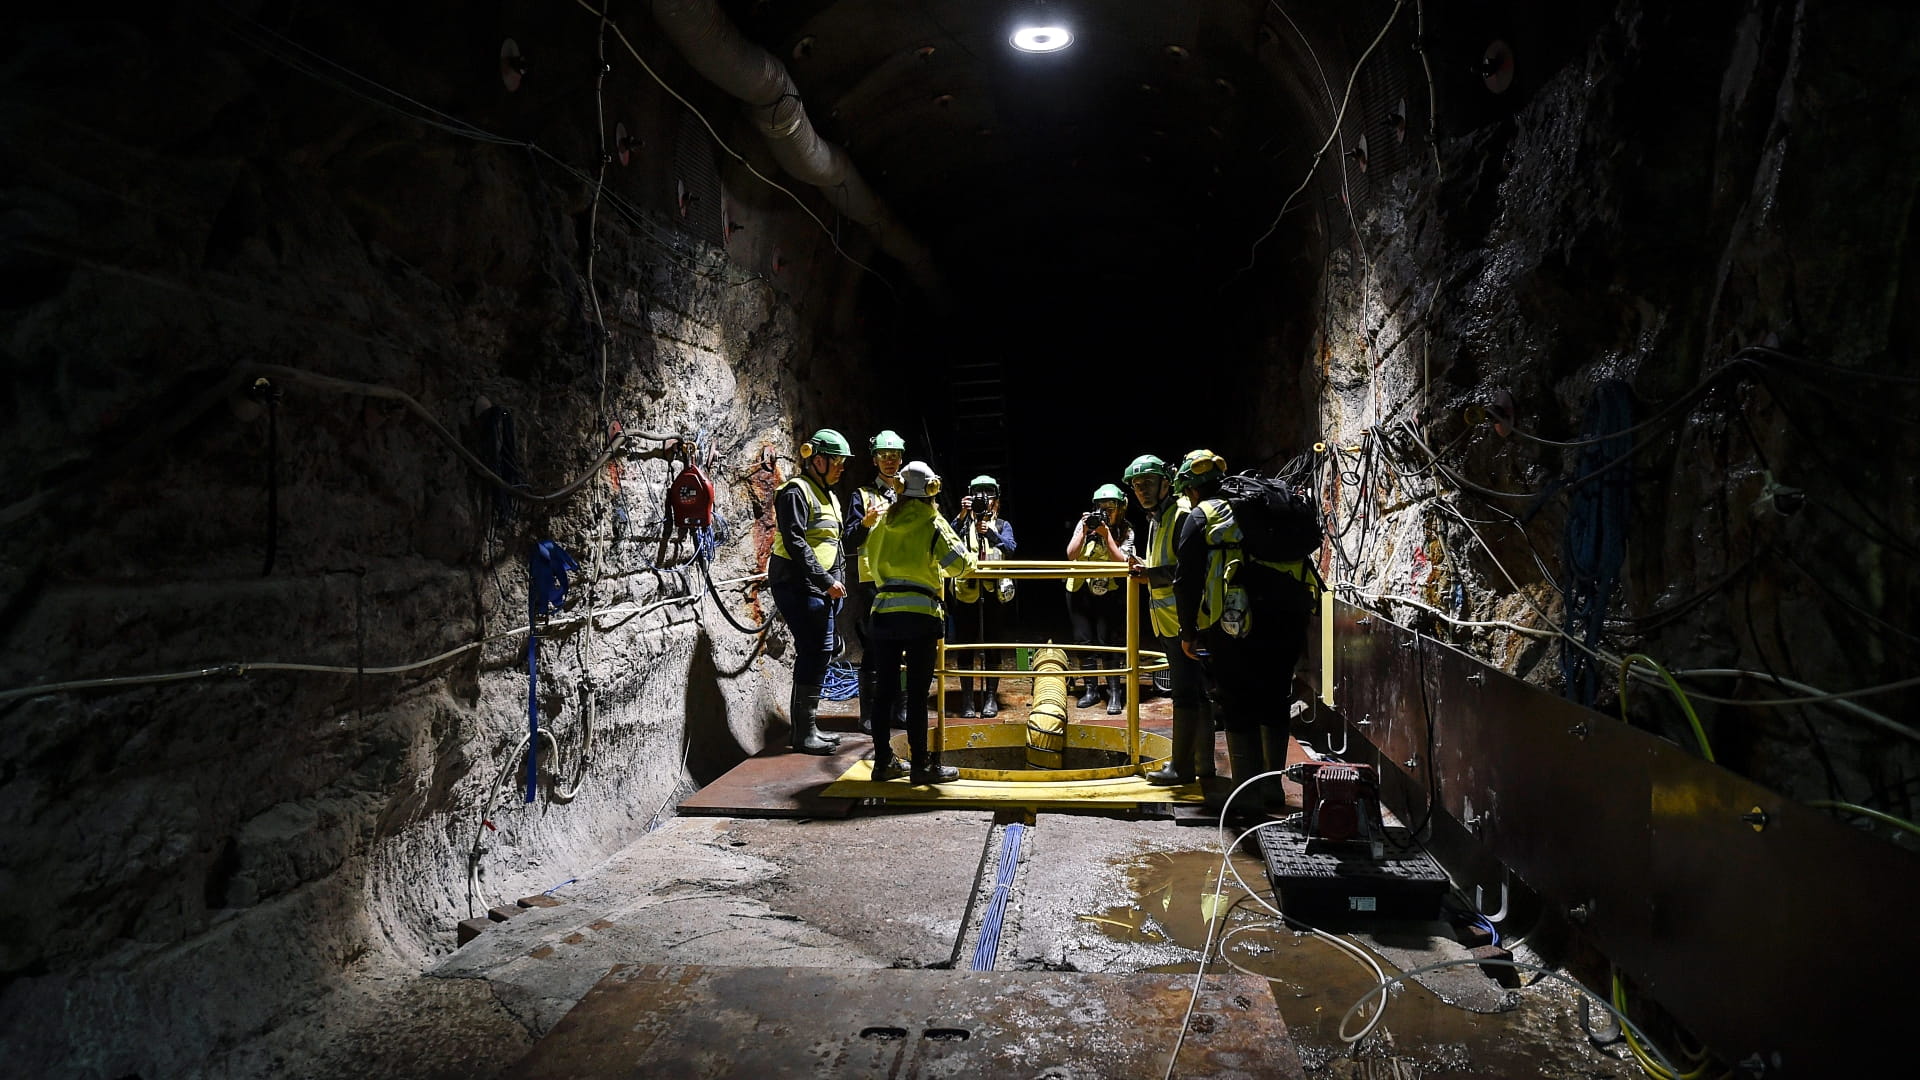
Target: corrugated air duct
719, 52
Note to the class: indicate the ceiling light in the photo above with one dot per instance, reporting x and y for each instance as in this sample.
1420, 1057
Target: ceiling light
1041, 39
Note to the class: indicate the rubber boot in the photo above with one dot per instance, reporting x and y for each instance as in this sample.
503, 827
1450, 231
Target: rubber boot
1179, 769
866, 697
804, 708
1089, 688
1116, 696
1204, 742
928, 770
1247, 757
990, 708
885, 765
967, 711
1273, 739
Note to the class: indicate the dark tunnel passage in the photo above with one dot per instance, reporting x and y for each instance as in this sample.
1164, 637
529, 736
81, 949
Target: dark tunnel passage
327, 326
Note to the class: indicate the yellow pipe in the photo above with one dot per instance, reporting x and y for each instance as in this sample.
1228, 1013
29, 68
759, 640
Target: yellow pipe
1326, 650
1047, 718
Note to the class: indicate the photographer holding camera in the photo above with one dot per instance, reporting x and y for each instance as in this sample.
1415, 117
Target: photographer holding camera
979, 612
1096, 605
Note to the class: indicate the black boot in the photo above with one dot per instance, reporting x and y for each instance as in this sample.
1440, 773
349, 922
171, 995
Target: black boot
1179, 768
1203, 744
928, 770
804, 708
990, 708
1116, 696
1247, 758
967, 711
1089, 692
866, 697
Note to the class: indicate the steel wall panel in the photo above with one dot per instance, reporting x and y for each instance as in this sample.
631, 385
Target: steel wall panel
1779, 942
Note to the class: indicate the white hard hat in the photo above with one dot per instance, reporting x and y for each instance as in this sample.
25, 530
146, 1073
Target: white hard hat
920, 480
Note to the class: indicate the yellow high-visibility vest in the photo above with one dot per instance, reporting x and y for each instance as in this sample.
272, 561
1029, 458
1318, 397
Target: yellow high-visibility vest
1161, 531
911, 549
822, 525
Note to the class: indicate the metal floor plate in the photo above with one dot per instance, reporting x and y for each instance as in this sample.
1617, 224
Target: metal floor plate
779, 783
649, 1020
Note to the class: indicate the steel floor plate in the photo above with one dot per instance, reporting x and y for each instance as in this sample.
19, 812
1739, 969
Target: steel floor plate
651, 1020
780, 783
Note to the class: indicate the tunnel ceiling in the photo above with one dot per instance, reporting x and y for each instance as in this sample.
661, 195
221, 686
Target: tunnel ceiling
1143, 160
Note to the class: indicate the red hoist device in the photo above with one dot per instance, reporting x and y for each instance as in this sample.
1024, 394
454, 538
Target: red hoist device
690, 498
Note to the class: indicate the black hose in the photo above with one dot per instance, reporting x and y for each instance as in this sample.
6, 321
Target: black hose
700, 556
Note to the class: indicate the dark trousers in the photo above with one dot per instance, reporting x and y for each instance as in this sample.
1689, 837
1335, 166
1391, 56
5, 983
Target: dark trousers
984, 620
914, 639
810, 617
1251, 679
1099, 620
1185, 675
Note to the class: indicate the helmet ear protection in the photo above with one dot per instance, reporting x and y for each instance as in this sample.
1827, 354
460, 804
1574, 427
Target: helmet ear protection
806, 450
933, 487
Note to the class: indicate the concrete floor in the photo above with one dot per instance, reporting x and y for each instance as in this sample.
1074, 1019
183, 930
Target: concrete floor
1092, 894
891, 888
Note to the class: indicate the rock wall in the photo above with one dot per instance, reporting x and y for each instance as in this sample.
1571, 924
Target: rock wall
356, 195
1697, 232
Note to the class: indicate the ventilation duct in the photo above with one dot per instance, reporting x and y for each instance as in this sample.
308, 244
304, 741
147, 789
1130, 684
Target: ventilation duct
720, 53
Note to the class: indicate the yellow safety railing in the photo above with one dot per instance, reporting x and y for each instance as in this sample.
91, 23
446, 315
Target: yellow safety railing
1023, 569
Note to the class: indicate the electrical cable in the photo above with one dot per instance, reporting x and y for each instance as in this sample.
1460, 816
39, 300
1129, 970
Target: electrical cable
1659, 1070
987, 949
1519, 965
731, 152
1339, 118
703, 539
425, 114
241, 668
1867, 811
1214, 919
1326, 87
1693, 718
1839, 698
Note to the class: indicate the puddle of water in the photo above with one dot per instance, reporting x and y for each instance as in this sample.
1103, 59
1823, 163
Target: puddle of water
1313, 983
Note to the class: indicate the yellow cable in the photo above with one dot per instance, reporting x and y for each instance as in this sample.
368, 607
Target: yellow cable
1706, 750
1865, 811
1653, 1068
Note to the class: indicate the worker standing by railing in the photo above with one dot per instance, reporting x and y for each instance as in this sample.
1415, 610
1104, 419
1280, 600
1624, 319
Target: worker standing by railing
1192, 755
1096, 606
980, 613
911, 550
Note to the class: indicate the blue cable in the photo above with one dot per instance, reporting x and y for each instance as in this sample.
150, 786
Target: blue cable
989, 945
841, 683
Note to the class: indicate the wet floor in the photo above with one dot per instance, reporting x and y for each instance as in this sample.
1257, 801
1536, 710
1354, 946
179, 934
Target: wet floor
1176, 895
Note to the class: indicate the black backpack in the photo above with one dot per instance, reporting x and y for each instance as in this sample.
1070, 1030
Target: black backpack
1278, 523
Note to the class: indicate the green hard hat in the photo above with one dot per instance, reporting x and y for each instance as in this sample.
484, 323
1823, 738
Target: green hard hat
984, 481
1146, 465
887, 440
1110, 491
1200, 468
829, 442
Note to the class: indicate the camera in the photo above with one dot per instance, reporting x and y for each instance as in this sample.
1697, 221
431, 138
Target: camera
1095, 519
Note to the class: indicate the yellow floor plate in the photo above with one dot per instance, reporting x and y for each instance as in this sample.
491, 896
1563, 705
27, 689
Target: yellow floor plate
857, 783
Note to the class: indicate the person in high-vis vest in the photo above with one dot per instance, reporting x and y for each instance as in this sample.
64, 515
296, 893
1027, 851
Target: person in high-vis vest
1192, 755
979, 613
1096, 606
1243, 618
888, 450
807, 574
911, 551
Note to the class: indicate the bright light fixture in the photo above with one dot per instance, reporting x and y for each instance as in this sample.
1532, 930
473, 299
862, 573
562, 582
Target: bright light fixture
1042, 38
